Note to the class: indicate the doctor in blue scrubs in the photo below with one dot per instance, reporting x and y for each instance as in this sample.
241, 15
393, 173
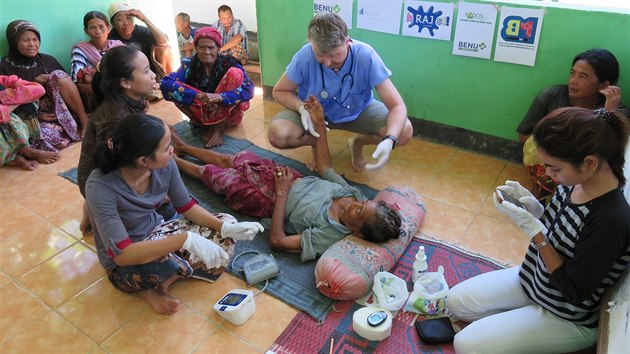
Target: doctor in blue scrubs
341, 73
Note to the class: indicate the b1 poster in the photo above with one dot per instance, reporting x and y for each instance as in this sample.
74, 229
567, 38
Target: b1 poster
518, 35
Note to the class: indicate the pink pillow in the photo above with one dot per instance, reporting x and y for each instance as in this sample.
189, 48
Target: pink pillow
346, 270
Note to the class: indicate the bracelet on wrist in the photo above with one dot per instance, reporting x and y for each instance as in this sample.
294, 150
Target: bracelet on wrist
541, 244
393, 139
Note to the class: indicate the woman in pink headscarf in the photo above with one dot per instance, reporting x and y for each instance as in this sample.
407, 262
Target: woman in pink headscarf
212, 89
86, 55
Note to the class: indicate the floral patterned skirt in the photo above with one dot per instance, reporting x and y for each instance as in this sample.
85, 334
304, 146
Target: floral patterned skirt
13, 138
150, 275
214, 113
58, 134
249, 186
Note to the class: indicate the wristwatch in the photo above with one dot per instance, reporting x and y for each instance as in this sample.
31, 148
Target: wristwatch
393, 139
540, 245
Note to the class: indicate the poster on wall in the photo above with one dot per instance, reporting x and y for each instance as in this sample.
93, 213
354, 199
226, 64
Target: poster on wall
378, 15
342, 8
424, 19
474, 32
518, 35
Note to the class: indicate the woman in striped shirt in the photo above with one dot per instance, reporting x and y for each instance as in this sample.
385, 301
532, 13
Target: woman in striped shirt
580, 244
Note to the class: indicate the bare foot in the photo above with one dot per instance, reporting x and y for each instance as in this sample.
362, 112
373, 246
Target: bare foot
179, 146
214, 136
21, 161
162, 304
41, 156
314, 108
85, 226
312, 165
356, 154
163, 287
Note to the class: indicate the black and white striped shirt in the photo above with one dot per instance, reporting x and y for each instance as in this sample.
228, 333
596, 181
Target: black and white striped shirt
594, 240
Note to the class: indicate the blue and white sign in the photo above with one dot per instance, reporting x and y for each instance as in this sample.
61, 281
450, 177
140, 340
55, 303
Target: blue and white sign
425, 19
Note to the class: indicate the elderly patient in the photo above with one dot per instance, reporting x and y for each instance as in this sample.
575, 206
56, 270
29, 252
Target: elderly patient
309, 214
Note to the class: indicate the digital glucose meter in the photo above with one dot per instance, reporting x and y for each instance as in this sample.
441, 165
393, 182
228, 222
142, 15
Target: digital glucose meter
237, 306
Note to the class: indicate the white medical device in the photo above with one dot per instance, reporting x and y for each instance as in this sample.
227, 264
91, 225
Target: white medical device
237, 306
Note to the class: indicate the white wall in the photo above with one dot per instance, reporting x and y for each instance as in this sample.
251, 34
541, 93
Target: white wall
205, 11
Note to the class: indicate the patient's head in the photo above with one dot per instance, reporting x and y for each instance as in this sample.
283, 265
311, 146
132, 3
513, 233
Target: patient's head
373, 221
384, 226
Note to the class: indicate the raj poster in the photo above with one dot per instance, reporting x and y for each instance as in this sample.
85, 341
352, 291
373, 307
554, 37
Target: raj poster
519, 32
433, 20
474, 32
342, 8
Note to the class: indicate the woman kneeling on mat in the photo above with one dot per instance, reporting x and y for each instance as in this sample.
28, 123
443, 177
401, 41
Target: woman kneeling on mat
212, 89
580, 244
309, 214
140, 252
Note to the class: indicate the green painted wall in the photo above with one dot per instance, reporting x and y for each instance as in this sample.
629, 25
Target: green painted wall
476, 94
60, 23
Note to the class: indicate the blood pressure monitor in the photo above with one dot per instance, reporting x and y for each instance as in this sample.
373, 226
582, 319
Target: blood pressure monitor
237, 306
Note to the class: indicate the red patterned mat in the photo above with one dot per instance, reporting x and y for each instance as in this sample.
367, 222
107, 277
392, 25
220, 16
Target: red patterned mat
304, 335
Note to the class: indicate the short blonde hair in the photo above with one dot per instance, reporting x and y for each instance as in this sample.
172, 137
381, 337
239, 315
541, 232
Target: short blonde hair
328, 31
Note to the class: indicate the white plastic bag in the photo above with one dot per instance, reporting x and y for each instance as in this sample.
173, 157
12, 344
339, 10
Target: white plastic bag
390, 291
429, 294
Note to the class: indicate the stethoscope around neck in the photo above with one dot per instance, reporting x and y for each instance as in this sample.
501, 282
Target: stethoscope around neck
347, 78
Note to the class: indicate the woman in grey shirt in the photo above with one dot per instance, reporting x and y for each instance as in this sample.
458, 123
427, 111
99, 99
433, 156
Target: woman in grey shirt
140, 252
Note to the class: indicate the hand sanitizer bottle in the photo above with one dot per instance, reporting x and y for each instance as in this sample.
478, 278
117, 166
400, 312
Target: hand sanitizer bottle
420, 264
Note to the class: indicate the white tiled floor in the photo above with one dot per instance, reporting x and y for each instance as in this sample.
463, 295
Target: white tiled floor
54, 296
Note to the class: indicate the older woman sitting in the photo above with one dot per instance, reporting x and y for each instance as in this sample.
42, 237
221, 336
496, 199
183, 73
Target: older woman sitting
86, 55
210, 88
61, 104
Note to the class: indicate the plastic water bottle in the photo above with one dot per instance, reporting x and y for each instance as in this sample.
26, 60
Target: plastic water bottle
420, 264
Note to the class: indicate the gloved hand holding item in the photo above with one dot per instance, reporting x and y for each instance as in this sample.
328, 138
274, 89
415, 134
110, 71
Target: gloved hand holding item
307, 122
524, 196
381, 153
245, 231
524, 219
204, 250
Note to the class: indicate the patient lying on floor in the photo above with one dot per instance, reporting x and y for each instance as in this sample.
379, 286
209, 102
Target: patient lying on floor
309, 214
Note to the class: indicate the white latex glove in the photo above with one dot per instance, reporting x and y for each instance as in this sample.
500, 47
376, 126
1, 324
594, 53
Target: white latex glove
204, 250
524, 196
307, 122
245, 231
524, 219
381, 153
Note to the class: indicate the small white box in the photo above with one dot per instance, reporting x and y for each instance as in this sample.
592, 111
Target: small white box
237, 306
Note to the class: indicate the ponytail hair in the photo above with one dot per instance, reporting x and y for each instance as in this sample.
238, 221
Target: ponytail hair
572, 133
135, 136
116, 64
